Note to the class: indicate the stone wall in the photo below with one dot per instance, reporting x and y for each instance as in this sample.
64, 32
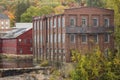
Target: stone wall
16, 63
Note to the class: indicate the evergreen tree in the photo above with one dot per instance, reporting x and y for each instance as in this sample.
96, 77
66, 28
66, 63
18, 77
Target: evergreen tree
20, 9
95, 3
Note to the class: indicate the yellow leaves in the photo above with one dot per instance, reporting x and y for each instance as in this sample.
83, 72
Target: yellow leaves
76, 56
116, 61
59, 9
10, 15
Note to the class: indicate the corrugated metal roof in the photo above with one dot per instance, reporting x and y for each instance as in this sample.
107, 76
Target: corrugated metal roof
3, 16
19, 29
15, 33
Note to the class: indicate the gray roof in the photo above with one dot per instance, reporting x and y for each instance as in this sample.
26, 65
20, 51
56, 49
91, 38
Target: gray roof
3, 16
15, 33
23, 25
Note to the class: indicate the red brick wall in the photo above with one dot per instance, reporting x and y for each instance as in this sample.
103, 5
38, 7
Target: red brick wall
77, 13
25, 43
89, 13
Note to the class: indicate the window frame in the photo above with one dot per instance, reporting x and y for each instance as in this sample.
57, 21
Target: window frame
108, 38
85, 38
96, 40
72, 21
20, 40
96, 22
85, 20
72, 38
108, 24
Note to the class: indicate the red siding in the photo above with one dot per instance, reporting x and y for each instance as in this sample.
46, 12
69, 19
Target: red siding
25, 43
9, 46
0, 45
14, 46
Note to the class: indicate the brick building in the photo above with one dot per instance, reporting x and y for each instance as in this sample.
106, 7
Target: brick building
81, 29
18, 41
4, 21
4, 24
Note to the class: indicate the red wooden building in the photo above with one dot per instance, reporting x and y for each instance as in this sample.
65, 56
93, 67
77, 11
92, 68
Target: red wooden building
18, 41
0, 45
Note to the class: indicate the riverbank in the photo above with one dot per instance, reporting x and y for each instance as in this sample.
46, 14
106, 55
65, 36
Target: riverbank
27, 76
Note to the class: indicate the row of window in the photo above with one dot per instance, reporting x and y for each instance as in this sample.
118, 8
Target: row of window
52, 50
25, 40
95, 22
51, 23
21, 50
60, 37
4, 27
84, 38
60, 21
60, 57
2, 22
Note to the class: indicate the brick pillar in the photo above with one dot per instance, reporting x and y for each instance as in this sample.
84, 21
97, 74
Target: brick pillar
78, 20
67, 55
89, 19
101, 20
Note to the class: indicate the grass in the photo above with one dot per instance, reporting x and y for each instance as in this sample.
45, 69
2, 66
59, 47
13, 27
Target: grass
14, 56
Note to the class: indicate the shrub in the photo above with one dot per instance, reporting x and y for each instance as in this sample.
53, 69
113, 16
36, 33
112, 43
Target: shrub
44, 63
96, 66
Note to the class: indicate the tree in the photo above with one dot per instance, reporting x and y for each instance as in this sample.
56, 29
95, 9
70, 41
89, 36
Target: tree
35, 11
115, 5
8, 8
20, 9
30, 12
59, 9
96, 66
95, 3
46, 10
